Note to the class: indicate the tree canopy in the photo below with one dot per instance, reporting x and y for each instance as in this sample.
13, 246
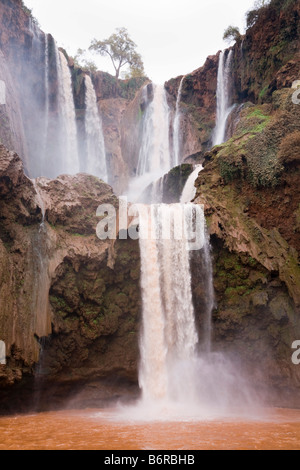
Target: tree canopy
122, 51
232, 33
81, 60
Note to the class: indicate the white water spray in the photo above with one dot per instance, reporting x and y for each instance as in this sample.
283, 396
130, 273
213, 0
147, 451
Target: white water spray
176, 127
69, 157
180, 376
154, 157
169, 336
189, 190
223, 97
95, 162
46, 111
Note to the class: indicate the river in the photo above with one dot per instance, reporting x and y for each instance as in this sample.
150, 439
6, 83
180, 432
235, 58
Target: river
279, 429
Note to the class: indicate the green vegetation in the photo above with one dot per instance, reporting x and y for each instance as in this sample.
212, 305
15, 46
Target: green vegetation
266, 143
261, 6
122, 51
238, 276
252, 154
232, 33
83, 62
28, 12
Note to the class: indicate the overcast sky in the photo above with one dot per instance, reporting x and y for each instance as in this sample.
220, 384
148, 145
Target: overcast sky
174, 37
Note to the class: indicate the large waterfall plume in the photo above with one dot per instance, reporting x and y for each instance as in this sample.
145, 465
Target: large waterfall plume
176, 127
69, 162
180, 374
154, 155
62, 133
223, 97
95, 158
169, 337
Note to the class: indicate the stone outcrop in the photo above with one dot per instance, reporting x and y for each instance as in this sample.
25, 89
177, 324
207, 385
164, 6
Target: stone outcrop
264, 60
198, 106
59, 280
252, 203
267, 58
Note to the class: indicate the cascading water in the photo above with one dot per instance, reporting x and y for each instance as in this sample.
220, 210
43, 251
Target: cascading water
180, 375
189, 190
44, 157
154, 155
169, 338
176, 127
95, 159
223, 97
69, 160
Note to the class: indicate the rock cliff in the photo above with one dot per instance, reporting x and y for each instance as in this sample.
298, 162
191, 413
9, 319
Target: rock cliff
251, 196
59, 281
265, 59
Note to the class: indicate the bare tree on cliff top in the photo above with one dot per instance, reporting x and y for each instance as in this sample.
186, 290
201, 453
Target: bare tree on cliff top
121, 50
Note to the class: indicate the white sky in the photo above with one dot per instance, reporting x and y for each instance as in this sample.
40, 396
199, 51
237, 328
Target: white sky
174, 37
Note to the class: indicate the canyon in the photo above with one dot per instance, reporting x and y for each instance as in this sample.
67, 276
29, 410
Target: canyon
71, 305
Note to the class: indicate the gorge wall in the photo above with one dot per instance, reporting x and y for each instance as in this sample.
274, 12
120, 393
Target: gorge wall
60, 282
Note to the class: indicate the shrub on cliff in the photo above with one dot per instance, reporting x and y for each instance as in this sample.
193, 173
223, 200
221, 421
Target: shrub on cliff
261, 6
232, 33
28, 12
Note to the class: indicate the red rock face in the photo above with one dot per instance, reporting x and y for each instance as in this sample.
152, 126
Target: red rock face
268, 58
198, 106
91, 304
17, 32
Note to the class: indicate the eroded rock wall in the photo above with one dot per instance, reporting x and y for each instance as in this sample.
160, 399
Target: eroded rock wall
61, 284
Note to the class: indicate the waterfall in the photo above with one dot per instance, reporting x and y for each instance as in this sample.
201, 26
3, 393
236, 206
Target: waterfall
46, 86
180, 375
95, 162
176, 127
204, 265
189, 190
223, 97
169, 337
69, 160
154, 157
209, 304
